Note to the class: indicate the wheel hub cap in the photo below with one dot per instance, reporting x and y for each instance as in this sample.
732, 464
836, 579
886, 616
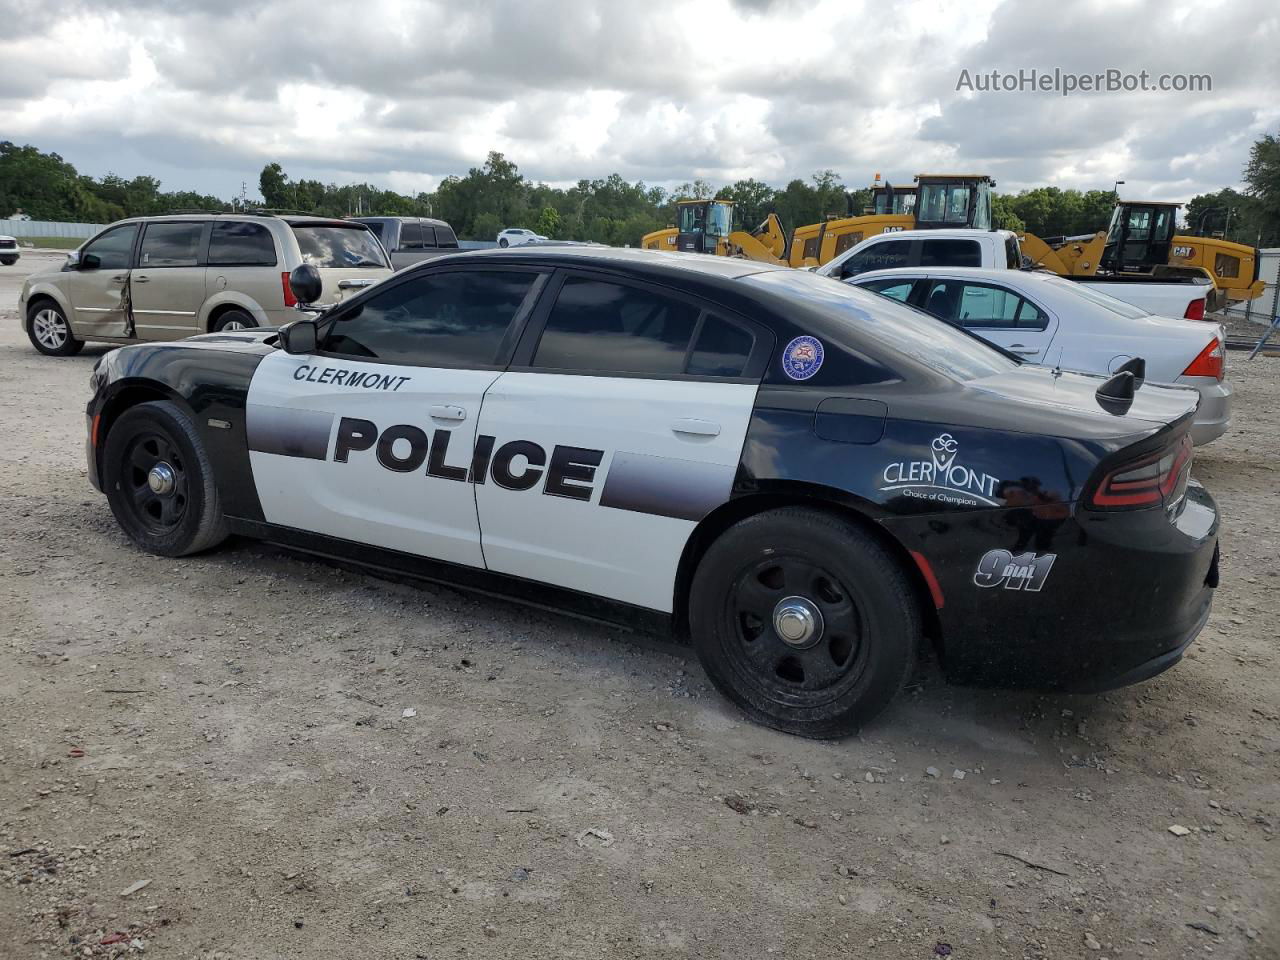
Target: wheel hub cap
162, 479
798, 622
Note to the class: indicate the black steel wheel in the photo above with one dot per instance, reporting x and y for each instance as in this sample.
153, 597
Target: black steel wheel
159, 482
804, 620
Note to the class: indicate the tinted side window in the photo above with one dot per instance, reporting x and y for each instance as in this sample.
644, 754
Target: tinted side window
114, 248
1013, 254
950, 253
428, 236
892, 287
171, 245
410, 235
878, 256
982, 307
601, 326
445, 237
233, 244
847, 240
446, 318
721, 350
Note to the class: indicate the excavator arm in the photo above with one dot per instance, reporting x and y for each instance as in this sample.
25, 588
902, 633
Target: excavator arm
767, 243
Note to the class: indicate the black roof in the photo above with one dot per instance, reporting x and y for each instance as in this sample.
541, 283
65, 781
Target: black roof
642, 262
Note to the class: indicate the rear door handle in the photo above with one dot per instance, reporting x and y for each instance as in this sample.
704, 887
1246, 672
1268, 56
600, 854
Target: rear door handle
444, 411
696, 428
121, 278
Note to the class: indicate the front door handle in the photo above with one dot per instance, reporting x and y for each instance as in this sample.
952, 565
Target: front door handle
141, 279
120, 278
696, 428
1023, 349
443, 411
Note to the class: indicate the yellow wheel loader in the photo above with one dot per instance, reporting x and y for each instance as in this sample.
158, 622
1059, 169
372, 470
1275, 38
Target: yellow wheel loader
706, 226
1140, 241
936, 200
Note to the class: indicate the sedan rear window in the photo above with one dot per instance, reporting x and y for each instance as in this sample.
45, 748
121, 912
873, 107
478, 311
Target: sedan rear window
900, 329
327, 245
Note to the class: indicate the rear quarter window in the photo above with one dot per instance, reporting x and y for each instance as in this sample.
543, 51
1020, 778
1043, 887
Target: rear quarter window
950, 253
328, 245
236, 244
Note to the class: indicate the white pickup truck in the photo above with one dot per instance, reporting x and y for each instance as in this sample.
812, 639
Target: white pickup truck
999, 249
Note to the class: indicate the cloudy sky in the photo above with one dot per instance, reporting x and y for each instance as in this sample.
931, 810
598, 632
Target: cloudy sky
405, 92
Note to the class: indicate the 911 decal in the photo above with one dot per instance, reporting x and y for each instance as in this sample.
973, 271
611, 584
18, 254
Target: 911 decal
1023, 571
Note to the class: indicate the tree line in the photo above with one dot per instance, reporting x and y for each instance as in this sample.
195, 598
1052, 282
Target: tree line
611, 210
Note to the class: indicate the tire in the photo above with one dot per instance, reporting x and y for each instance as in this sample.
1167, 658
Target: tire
855, 628
504, 242
8, 261
49, 332
233, 320
186, 519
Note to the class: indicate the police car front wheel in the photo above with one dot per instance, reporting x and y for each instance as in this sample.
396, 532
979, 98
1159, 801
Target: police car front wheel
159, 481
804, 621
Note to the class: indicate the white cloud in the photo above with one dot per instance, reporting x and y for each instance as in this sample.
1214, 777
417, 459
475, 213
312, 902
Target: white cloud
404, 93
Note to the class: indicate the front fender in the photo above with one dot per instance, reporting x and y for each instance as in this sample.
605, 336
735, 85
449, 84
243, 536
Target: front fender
43, 288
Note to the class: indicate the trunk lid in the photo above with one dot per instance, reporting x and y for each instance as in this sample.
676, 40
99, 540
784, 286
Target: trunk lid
1073, 396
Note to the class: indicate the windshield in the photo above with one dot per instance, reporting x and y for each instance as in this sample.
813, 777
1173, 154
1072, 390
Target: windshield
944, 203
1101, 299
330, 246
720, 220
949, 350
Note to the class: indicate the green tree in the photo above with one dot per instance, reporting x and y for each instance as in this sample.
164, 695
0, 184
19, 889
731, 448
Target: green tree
272, 183
753, 200
548, 223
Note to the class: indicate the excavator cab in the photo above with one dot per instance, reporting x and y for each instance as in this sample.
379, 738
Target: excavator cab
701, 225
889, 200
1140, 237
953, 200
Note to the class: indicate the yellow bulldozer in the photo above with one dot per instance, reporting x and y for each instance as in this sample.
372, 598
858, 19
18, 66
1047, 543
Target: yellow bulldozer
1140, 240
706, 226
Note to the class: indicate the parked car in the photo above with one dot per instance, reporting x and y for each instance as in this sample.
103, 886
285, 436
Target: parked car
515, 236
807, 480
1000, 250
411, 240
9, 250
164, 278
1048, 319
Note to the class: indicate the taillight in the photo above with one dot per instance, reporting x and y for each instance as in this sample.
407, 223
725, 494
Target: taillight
1210, 362
1195, 310
1146, 482
289, 299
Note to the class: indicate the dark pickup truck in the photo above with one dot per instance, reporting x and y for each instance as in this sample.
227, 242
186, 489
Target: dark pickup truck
411, 240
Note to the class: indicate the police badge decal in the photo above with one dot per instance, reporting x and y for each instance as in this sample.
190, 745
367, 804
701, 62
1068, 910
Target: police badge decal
802, 358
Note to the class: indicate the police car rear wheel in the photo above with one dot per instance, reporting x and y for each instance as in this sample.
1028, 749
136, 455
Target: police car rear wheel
804, 621
159, 481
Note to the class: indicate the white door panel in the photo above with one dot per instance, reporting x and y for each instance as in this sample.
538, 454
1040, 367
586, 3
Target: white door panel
630, 466
351, 449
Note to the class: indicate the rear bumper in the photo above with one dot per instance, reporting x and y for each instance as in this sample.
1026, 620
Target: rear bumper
1126, 594
1213, 417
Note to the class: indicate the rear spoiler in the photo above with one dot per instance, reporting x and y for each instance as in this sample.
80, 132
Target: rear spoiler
1116, 393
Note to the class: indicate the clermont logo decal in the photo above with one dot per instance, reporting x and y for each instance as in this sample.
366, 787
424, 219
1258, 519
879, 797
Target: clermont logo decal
941, 478
802, 358
1023, 571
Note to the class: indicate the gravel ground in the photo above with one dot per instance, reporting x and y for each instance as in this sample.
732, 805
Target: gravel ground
211, 758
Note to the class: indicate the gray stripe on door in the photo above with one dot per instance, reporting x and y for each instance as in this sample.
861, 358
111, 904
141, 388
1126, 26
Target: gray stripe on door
666, 486
288, 431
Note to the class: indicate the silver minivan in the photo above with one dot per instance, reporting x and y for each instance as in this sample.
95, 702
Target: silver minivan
165, 278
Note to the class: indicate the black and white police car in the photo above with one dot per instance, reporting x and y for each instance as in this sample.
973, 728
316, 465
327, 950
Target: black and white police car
805, 479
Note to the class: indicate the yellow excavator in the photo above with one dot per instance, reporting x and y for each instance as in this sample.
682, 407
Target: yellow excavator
706, 226
1140, 240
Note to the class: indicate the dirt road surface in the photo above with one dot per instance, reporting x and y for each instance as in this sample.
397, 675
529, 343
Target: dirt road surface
212, 758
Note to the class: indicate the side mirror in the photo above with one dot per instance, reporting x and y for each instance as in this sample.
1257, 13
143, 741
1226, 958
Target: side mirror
305, 283
299, 336
73, 261
90, 261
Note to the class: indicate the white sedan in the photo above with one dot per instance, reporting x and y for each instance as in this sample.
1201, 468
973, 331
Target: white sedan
515, 236
1048, 320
